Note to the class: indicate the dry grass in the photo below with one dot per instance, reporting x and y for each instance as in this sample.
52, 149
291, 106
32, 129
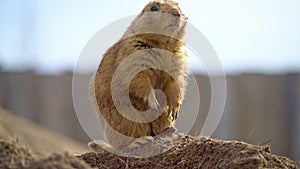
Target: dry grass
190, 152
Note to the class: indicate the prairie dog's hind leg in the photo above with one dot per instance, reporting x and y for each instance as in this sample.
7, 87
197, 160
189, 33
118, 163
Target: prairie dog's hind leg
174, 98
101, 146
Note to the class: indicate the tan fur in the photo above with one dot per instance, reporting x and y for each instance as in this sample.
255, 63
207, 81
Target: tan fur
149, 47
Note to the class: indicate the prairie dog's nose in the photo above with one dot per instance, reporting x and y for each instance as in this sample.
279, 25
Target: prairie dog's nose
171, 10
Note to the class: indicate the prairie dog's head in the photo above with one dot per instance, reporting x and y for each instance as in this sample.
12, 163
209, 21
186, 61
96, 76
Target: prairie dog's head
160, 17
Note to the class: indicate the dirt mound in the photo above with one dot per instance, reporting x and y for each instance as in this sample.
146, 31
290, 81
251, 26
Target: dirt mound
34, 136
14, 156
189, 152
58, 161
195, 152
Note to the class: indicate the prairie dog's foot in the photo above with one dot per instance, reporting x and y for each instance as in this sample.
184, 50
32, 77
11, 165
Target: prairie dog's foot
141, 141
169, 131
152, 101
99, 146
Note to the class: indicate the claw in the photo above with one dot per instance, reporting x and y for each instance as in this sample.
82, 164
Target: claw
176, 116
154, 105
169, 112
152, 101
173, 115
172, 112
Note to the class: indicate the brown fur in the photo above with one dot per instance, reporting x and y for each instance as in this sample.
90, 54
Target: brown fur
136, 41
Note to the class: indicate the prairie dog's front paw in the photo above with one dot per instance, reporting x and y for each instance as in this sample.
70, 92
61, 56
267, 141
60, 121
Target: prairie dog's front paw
173, 111
152, 101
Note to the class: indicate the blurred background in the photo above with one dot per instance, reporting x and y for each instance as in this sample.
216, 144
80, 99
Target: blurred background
257, 43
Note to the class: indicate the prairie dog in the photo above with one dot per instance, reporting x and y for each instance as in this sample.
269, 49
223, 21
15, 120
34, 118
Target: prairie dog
155, 38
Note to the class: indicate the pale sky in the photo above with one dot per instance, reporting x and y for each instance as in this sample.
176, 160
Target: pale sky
248, 35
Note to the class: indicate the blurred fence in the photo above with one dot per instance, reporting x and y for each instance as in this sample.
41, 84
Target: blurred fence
260, 109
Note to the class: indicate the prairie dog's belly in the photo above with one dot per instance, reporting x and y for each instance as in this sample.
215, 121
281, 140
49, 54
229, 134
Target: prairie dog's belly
172, 84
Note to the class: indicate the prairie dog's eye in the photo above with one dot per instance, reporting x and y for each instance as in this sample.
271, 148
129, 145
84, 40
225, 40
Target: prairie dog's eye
154, 8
